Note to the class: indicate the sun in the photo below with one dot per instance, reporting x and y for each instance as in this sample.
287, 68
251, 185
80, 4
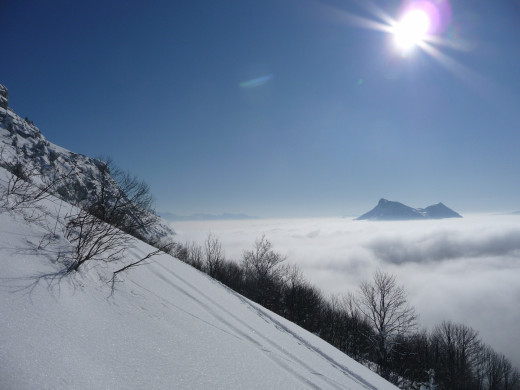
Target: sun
412, 29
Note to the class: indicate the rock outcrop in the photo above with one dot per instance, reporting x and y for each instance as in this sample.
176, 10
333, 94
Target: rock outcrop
21, 142
3, 97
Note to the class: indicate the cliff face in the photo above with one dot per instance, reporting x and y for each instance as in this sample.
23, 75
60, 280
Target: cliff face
21, 142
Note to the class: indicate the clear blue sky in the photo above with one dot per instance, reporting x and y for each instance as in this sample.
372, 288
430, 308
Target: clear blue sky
275, 108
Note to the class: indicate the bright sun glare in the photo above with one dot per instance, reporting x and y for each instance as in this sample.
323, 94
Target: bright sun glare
412, 29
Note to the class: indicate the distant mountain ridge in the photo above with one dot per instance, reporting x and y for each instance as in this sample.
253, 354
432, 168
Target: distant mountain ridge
206, 217
387, 210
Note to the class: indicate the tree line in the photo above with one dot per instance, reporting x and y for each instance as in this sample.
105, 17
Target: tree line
376, 326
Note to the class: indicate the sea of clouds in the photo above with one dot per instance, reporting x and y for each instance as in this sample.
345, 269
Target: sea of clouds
463, 270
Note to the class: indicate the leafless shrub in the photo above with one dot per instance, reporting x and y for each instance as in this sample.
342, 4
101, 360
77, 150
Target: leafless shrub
122, 200
165, 248
51, 226
93, 240
24, 189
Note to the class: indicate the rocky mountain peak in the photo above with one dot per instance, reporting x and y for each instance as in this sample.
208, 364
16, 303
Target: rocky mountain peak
394, 211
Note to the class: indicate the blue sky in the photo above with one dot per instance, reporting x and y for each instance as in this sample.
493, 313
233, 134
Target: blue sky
275, 108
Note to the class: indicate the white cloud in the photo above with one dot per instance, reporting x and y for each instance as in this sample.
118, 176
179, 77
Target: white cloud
465, 270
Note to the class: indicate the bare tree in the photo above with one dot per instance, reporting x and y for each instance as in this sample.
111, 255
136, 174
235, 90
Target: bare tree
263, 271
195, 255
213, 256
458, 349
122, 200
384, 305
356, 330
302, 303
190, 253
262, 262
93, 240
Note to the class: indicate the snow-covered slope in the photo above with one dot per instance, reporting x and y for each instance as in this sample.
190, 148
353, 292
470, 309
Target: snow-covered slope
387, 210
166, 326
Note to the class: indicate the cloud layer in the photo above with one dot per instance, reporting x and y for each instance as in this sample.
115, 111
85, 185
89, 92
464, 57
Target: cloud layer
463, 270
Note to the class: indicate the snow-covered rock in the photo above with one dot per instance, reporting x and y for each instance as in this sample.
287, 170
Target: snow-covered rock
22, 141
3, 97
387, 210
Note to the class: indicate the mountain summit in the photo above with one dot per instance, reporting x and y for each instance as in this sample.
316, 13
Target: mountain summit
387, 210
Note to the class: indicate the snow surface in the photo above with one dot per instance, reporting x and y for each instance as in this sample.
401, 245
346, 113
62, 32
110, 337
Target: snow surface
166, 326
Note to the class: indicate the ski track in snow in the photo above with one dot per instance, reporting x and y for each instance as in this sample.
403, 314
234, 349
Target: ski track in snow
218, 317
268, 318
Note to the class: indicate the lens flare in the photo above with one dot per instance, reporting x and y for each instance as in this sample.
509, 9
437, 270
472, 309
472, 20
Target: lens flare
258, 82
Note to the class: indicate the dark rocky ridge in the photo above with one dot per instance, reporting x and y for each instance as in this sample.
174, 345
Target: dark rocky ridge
387, 210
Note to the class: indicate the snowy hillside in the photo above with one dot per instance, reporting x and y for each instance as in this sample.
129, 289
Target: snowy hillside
166, 326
